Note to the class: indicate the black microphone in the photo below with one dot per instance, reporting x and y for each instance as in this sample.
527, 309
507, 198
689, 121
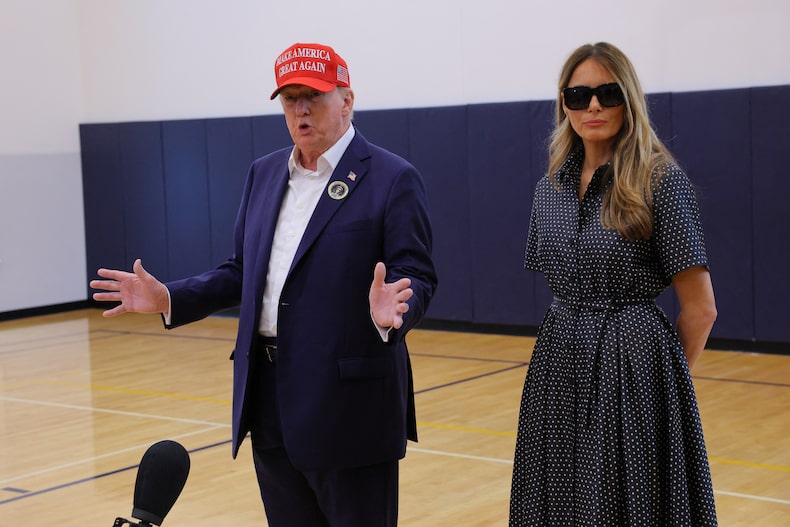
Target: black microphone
161, 476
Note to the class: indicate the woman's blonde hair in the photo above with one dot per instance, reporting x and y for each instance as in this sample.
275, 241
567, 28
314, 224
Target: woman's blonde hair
637, 150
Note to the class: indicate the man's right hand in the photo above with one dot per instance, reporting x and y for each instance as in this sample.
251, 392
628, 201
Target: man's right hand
138, 292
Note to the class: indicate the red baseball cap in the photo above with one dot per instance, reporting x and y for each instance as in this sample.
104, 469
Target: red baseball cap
313, 65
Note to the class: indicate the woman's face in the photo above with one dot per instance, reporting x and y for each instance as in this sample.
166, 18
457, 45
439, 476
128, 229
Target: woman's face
597, 125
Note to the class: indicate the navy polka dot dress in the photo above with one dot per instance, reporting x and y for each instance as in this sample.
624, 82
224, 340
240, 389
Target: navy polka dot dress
609, 432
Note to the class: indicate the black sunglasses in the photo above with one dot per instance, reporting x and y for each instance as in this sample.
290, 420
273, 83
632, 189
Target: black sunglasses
579, 97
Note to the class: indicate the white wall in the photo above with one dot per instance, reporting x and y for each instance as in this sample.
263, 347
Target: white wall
42, 241
155, 59
72, 61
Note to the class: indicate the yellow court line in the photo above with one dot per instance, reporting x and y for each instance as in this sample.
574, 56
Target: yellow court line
99, 387
20, 384
513, 434
420, 423
467, 429
748, 464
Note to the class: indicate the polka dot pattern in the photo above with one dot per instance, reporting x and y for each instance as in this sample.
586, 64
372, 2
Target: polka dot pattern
609, 431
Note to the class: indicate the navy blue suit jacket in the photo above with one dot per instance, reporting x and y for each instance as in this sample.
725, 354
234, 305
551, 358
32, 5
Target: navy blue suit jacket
345, 397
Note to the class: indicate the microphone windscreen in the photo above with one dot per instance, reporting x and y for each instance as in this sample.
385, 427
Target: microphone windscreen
160, 478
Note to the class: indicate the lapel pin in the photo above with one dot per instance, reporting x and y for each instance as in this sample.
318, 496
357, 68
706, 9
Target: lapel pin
337, 190
352, 176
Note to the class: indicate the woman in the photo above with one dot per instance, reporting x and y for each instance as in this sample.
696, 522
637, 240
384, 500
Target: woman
609, 431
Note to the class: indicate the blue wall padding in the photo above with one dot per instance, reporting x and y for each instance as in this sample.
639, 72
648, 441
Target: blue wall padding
229, 146
187, 197
102, 187
269, 133
386, 127
770, 176
168, 192
498, 159
712, 143
438, 146
659, 106
142, 174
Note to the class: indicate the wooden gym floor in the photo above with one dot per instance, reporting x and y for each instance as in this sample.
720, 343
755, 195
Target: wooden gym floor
82, 398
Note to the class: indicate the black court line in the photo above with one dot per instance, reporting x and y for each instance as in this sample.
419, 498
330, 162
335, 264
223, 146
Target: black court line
741, 381
515, 365
114, 333
15, 490
476, 359
473, 378
132, 467
526, 363
452, 357
98, 476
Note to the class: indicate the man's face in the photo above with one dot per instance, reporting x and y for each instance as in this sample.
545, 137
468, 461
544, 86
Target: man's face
316, 120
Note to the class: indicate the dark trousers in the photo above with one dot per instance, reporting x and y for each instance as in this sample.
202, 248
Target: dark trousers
346, 497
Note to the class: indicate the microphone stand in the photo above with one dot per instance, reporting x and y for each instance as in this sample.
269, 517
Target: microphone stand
119, 522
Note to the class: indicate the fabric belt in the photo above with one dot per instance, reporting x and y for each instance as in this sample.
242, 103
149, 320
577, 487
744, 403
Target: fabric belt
600, 304
268, 346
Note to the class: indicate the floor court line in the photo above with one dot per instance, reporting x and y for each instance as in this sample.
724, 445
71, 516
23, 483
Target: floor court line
518, 364
225, 425
432, 425
121, 333
513, 434
110, 332
411, 449
95, 477
742, 381
132, 391
215, 426
510, 462
116, 412
462, 456
103, 456
466, 429
473, 378
475, 359
751, 497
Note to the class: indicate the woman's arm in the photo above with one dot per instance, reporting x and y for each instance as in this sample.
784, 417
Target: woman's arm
697, 310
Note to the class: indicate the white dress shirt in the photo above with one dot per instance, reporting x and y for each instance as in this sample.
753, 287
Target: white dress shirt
304, 190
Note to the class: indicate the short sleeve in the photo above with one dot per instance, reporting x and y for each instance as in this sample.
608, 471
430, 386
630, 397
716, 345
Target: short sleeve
677, 227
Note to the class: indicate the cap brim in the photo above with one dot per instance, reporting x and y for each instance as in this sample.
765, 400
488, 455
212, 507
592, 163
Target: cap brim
317, 84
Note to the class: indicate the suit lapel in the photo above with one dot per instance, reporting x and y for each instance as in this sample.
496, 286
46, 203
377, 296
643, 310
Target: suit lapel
338, 191
272, 202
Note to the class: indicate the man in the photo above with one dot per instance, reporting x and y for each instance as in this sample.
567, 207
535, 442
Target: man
322, 378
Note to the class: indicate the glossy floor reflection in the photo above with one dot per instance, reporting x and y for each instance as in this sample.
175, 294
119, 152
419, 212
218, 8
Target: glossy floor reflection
82, 398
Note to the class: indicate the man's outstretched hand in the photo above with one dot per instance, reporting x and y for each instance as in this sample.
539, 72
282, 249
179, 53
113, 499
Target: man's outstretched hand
138, 292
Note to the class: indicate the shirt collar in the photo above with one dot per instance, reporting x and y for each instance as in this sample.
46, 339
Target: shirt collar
329, 159
572, 166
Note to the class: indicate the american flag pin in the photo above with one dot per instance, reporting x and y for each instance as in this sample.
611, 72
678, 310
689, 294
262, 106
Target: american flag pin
352, 176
